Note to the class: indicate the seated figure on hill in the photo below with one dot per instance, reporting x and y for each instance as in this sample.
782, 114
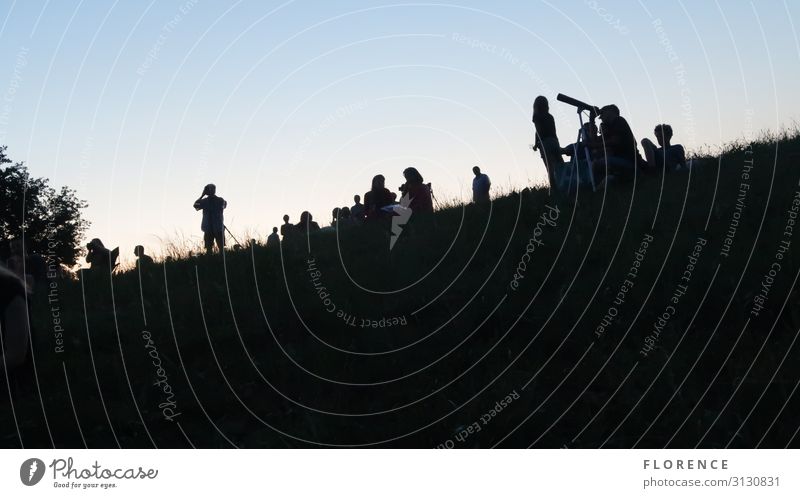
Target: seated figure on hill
377, 199
666, 156
587, 138
142, 259
616, 155
416, 192
307, 224
345, 218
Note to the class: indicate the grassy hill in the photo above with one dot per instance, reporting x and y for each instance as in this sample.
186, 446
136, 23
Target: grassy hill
627, 317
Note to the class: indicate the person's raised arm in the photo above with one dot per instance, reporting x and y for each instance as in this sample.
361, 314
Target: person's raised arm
198, 204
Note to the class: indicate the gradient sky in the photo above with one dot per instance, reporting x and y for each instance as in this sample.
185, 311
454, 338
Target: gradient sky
295, 105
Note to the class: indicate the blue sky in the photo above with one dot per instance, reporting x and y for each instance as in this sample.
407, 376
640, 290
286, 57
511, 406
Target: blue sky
295, 105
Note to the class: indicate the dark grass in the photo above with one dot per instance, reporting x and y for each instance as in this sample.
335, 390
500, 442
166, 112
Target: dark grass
256, 360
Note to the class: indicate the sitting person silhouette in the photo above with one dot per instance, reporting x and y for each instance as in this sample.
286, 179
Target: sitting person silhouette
666, 156
307, 224
100, 258
546, 137
213, 224
357, 211
142, 259
616, 154
14, 325
588, 137
416, 194
273, 240
345, 218
287, 228
480, 186
377, 199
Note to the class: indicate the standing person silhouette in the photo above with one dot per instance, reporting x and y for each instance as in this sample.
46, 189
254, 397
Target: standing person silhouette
213, 225
480, 186
287, 228
546, 137
273, 240
357, 211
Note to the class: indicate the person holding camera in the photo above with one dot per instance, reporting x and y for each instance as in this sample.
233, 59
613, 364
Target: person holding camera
418, 192
100, 258
213, 224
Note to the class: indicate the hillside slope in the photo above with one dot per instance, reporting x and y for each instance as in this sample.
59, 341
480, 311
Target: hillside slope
657, 314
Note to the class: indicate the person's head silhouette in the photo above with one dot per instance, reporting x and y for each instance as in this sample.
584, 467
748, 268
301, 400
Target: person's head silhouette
95, 244
663, 134
357, 199
609, 113
305, 217
211, 189
476, 170
141, 256
286, 218
541, 105
412, 175
378, 183
275, 230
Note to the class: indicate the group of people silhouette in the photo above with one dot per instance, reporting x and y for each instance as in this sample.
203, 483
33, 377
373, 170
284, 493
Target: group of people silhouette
613, 152
380, 203
610, 152
612, 149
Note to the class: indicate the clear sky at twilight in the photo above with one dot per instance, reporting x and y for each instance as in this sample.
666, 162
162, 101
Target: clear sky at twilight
295, 105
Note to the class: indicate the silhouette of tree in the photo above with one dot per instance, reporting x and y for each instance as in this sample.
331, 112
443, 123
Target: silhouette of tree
51, 219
